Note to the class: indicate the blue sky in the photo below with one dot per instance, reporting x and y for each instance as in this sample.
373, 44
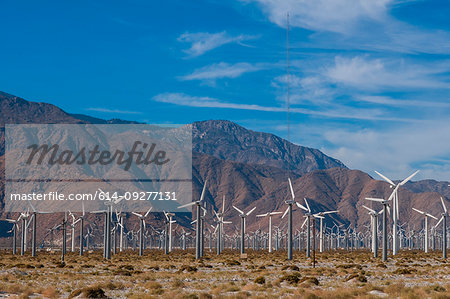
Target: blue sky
369, 78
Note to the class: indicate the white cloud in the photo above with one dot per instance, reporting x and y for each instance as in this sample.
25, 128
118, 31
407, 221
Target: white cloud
332, 112
202, 42
359, 24
395, 151
388, 101
210, 73
116, 111
362, 72
324, 15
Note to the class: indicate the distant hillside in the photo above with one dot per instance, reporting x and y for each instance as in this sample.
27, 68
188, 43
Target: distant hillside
229, 141
249, 168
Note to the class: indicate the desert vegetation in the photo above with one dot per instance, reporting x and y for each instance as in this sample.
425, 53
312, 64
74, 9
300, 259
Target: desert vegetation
341, 274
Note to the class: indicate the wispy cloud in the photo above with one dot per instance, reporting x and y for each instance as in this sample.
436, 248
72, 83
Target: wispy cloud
356, 24
114, 111
210, 73
333, 112
362, 72
388, 101
324, 15
202, 42
393, 151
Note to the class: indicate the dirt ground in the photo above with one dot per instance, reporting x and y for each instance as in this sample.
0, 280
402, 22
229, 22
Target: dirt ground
339, 274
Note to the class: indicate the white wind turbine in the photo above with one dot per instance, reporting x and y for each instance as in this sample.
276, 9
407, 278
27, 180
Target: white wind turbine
142, 228
198, 222
14, 231
289, 210
374, 226
219, 227
321, 215
243, 216
426, 227
270, 225
170, 221
308, 215
72, 226
444, 229
395, 212
386, 209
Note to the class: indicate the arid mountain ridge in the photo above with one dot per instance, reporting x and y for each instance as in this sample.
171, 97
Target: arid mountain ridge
249, 169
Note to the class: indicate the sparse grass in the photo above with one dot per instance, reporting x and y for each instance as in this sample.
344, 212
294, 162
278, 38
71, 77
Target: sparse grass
338, 274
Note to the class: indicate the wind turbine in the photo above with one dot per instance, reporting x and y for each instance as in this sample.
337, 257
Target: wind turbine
34, 219
169, 217
141, 233
426, 227
270, 226
290, 202
444, 229
308, 215
321, 215
395, 212
374, 225
14, 231
197, 226
72, 226
243, 216
385, 204
219, 228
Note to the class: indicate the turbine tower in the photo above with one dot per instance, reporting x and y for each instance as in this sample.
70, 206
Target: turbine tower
142, 228
386, 209
444, 229
321, 215
243, 216
289, 211
374, 225
395, 212
270, 226
426, 227
197, 225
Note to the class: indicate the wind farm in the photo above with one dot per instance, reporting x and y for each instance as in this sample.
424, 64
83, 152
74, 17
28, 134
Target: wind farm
225, 149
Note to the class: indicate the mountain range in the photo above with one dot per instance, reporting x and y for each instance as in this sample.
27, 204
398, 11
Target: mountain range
251, 169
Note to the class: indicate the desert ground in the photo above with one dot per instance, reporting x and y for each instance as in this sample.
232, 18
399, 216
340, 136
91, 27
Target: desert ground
341, 274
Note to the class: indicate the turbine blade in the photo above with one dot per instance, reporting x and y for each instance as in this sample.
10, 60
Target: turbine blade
301, 206
304, 222
443, 205
223, 205
241, 212
139, 215
292, 189
262, 215
309, 209
275, 213
408, 178
429, 215
149, 210
439, 222
385, 178
375, 199
419, 211
369, 209
285, 212
187, 205
251, 211
330, 212
203, 191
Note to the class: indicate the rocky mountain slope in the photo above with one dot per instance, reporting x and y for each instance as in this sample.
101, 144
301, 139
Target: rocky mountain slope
250, 169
